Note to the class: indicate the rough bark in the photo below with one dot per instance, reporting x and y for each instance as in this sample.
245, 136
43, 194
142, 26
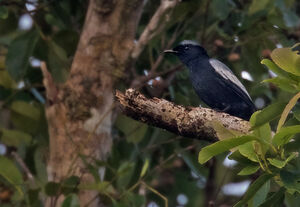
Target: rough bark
194, 122
79, 112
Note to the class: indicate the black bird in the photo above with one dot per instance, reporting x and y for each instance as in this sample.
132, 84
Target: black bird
213, 81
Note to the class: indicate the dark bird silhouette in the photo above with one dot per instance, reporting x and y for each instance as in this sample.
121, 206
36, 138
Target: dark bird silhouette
213, 81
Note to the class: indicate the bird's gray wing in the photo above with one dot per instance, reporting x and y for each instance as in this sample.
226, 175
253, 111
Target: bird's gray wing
227, 74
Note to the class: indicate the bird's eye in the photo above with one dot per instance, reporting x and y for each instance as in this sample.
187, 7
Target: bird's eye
186, 47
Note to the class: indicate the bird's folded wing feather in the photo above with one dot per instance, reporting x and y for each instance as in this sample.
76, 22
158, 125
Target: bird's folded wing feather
227, 74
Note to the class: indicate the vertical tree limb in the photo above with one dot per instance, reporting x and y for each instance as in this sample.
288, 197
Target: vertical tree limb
80, 119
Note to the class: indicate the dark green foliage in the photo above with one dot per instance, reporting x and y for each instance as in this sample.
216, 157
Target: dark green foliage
52, 189
19, 52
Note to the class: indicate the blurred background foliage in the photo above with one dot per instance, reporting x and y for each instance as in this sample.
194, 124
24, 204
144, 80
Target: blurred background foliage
146, 163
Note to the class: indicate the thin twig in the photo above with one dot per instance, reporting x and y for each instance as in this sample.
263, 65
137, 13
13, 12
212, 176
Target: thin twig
220, 185
210, 184
151, 29
23, 166
51, 89
205, 21
157, 193
161, 143
142, 80
173, 155
169, 44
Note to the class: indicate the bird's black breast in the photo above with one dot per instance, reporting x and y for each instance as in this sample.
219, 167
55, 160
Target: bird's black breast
218, 92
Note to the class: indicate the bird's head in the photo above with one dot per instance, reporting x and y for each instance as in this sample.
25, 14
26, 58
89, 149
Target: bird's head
188, 50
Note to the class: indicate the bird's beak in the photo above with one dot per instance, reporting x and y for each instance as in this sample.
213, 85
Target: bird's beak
170, 51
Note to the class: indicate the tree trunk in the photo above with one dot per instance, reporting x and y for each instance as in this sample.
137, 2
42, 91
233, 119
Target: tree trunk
79, 112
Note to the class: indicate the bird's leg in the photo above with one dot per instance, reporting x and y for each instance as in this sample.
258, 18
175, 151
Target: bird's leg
226, 108
222, 110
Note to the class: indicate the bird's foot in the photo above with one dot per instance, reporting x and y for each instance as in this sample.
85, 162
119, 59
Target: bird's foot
222, 110
226, 109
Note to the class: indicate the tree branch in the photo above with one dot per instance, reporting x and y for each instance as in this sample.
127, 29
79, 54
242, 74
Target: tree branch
51, 89
151, 29
23, 166
193, 122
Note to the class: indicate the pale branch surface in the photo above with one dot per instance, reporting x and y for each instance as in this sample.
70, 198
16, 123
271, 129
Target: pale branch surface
51, 89
193, 122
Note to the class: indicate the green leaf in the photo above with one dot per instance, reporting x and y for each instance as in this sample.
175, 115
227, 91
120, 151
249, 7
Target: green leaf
145, 168
192, 162
292, 156
14, 137
257, 5
70, 185
104, 187
132, 200
135, 200
125, 173
19, 52
296, 114
263, 132
287, 59
208, 152
71, 201
10, 172
285, 84
254, 187
281, 163
248, 170
26, 124
281, 73
6, 81
290, 180
261, 195
253, 118
3, 12
223, 132
33, 197
125, 167
58, 62
133, 130
273, 199
287, 110
277, 163
222, 8
289, 200
40, 165
67, 39
268, 114
9, 26
285, 134
241, 159
52, 188
26, 109
247, 150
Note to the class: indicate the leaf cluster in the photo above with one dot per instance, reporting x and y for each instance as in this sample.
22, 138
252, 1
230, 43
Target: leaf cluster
267, 151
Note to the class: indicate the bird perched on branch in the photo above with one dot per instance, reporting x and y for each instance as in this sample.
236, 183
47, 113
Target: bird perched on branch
213, 81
